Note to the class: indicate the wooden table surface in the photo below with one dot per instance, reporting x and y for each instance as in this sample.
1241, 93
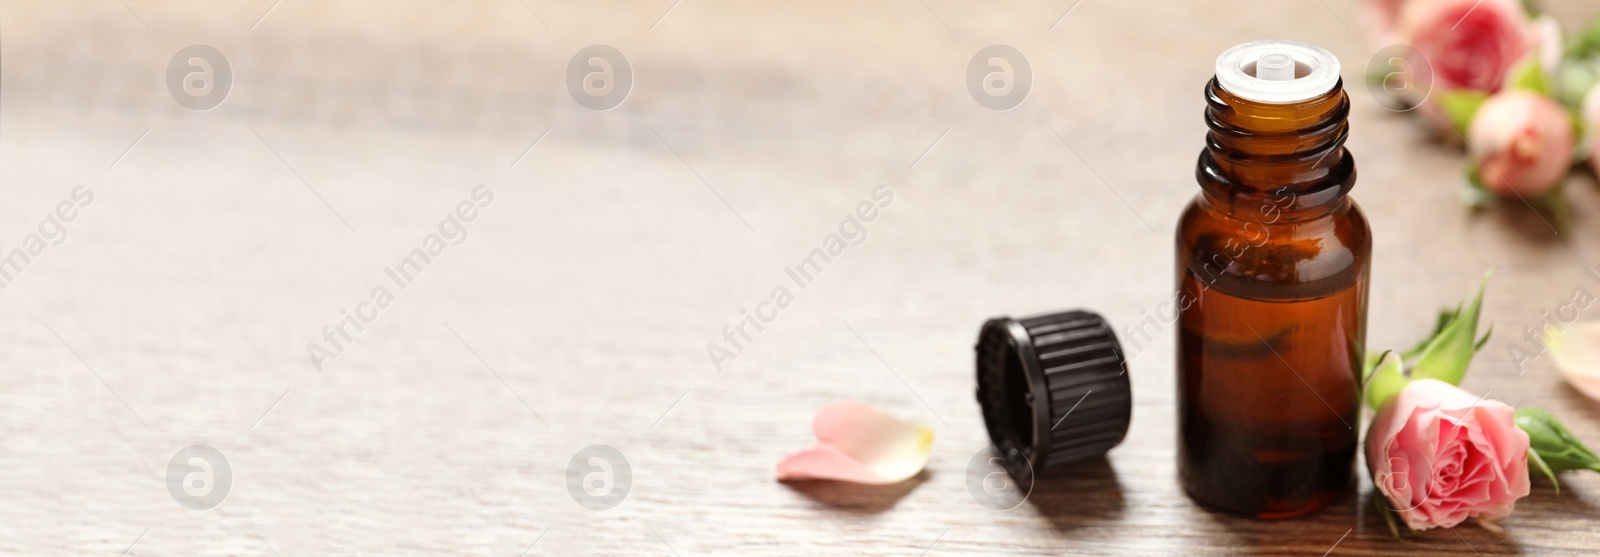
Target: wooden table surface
618, 244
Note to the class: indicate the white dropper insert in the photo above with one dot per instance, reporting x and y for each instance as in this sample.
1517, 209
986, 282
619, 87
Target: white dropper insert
1275, 66
1277, 71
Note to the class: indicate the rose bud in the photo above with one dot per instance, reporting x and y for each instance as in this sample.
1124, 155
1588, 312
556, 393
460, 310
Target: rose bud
1470, 44
1440, 455
1523, 141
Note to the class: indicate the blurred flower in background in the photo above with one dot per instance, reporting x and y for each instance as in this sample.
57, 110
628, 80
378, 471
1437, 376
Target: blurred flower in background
1382, 18
1470, 44
1525, 143
1501, 78
1591, 123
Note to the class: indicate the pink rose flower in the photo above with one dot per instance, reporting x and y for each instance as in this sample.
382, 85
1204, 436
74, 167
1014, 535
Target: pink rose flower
1525, 142
1441, 455
1470, 44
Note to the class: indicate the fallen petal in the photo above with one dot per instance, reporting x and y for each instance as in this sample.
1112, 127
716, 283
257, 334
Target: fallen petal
1576, 349
858, 443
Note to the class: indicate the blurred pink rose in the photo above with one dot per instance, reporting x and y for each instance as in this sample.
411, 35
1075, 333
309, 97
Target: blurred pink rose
1525, 141
1382, 18
1549, 42
1470, 44
1441, 455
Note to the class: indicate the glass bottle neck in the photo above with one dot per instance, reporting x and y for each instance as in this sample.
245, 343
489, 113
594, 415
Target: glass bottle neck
1285, 161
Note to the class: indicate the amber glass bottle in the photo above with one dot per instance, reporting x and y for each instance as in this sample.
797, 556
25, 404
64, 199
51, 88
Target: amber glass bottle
1273, 264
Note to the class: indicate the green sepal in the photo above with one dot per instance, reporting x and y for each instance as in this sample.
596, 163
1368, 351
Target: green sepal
1536, 463
1389, 518
1448, 354
1386, 380
1460, 105
1528, 75
1556, 446
1369, 363
1556, 202
1473, 194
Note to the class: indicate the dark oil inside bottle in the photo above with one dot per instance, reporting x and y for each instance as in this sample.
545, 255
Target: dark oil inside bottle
1272, 273
1268, 401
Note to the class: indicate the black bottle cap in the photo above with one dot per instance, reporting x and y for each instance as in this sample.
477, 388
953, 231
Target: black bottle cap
1054, 390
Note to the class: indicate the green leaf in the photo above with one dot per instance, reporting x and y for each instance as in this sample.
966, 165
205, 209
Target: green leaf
1386, 380
1528, 75
1578, 131
1460, 105
1556, 202
1473, 194
1438, 326
1447, 355
1574, 77
1586, 42
1536, 463
1556, 446
1371, 363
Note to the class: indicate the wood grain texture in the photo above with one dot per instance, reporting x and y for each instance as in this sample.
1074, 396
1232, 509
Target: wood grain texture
579, 309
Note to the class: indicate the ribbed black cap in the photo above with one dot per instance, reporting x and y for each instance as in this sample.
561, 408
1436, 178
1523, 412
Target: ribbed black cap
1054, 389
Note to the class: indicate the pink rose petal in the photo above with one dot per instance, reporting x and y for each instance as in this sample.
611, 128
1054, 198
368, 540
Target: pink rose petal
858, 443
1576, 349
